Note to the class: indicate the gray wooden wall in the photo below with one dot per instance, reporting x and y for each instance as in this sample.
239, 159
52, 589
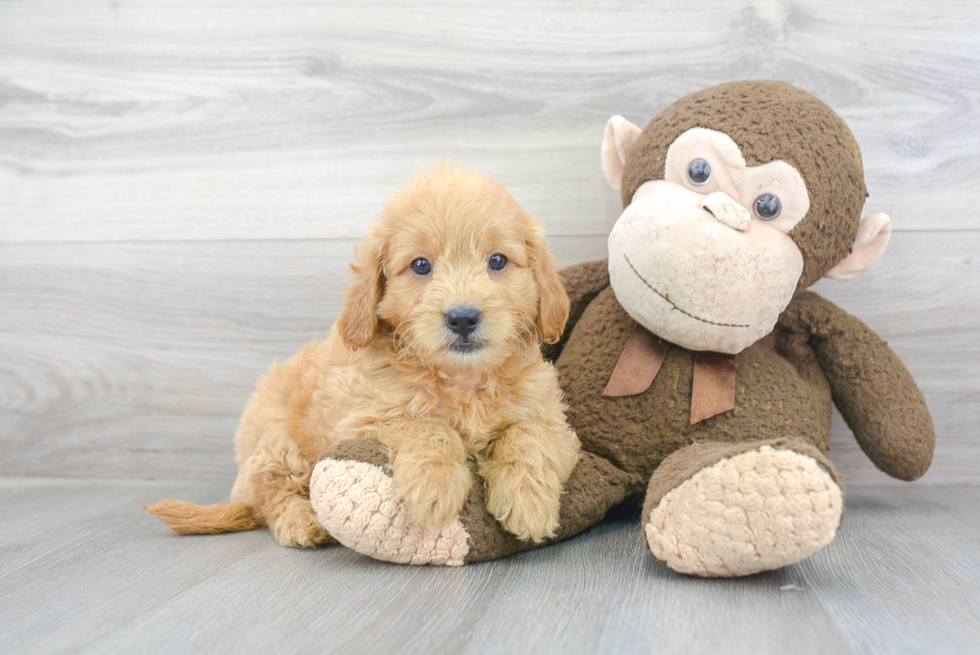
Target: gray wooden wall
182, 184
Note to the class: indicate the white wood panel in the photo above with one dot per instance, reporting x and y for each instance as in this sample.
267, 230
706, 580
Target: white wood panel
137, 359
295, 119
181, 183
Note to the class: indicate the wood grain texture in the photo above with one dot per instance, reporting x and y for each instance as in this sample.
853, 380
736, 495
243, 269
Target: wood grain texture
209, 120
136, 359
182, 182
901, 577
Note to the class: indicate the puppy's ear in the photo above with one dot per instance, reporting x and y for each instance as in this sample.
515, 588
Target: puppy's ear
553, 306
358, 321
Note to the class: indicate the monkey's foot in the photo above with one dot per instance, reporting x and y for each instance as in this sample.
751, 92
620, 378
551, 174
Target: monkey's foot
354, 497
763, 508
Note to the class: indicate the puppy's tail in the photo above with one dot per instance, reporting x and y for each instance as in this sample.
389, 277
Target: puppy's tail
188, 518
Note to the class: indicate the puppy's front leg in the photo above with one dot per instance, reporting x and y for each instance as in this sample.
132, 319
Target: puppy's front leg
428, 464
525, 469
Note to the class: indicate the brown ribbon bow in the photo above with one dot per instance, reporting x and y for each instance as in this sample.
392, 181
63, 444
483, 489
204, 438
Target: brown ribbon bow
713, 389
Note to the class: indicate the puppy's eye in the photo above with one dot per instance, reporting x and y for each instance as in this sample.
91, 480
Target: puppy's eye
767, 207
497, 262
699, 171
421, 266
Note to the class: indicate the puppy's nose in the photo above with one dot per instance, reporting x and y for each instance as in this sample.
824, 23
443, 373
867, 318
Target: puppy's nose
463, 320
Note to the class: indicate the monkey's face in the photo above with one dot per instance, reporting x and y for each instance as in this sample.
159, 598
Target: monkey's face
737, 197
703, 257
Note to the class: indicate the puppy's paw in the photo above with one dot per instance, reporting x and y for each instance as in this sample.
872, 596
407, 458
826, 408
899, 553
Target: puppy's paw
524, 505
298, 527
525, 470
434, 494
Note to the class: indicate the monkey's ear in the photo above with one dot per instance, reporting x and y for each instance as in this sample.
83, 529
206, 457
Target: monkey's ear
358, 321
617, 142
872, 237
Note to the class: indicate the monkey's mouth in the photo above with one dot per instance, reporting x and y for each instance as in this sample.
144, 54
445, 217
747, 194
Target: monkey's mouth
674, 305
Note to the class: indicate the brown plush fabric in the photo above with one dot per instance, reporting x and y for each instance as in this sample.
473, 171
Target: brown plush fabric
362, 449
594, 486
779, 392
872, 388
582, 282
772, 120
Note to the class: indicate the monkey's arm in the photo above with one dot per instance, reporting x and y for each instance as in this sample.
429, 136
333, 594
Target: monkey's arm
583, 282
871, 387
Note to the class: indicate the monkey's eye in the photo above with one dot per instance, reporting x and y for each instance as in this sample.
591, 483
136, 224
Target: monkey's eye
497, 262
767, 206
421, 267
699, 171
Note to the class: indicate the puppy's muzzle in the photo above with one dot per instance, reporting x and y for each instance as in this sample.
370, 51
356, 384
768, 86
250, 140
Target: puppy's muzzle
463, 322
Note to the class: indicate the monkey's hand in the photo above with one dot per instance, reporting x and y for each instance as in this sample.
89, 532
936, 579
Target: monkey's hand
871, 387
583, 282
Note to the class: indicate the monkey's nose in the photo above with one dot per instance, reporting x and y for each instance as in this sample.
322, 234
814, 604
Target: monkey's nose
728, 212
463, 320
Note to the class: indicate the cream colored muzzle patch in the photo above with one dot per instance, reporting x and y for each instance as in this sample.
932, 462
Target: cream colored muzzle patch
700, 280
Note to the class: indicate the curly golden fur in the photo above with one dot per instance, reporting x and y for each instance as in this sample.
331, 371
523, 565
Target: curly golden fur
392, 369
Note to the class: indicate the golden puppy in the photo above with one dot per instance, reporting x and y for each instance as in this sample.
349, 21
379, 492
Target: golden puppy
437, 355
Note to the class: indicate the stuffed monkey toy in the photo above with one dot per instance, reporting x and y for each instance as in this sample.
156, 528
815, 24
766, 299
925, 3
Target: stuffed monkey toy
697, 368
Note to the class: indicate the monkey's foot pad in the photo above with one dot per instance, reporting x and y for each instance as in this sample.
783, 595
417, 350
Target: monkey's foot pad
756, 511
357, 504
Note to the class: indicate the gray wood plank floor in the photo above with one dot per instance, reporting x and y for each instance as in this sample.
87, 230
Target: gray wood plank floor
182, 183
82, 571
